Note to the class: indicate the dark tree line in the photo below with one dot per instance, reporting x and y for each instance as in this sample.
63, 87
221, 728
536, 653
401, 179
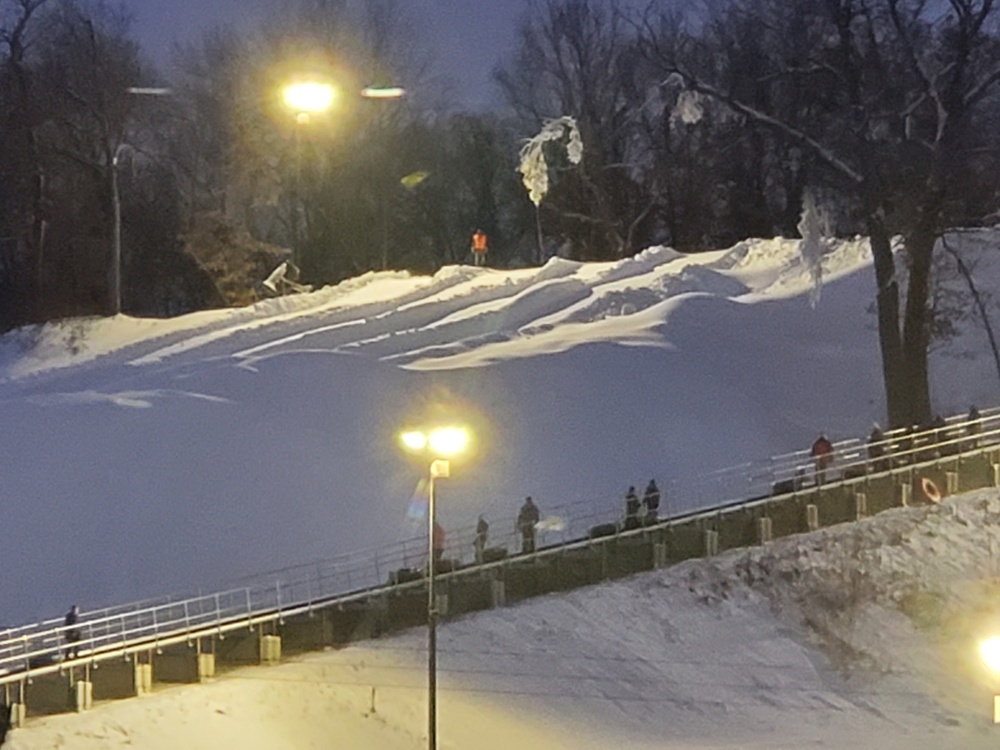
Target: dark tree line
702, 123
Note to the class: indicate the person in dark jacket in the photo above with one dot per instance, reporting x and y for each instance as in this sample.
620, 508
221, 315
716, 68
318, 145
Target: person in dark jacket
822, 456
651, 501
632, 506
482, 534
72, 633
876, 450
526, 520
974, 426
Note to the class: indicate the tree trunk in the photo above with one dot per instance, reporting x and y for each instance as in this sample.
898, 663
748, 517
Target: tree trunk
890, 341
916, 324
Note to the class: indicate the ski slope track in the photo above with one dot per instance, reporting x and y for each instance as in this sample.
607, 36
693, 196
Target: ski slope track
145, 457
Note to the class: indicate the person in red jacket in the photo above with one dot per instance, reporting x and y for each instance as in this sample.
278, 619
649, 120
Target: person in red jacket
822, 456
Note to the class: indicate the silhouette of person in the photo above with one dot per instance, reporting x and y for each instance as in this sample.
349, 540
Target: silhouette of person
71, 634
526, 520
651, 501
632, 506
482, 533
822, 455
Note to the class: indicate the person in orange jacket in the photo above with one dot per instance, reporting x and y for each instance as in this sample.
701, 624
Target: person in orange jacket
480, 247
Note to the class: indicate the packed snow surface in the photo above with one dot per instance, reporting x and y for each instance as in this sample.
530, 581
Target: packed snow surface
144, 457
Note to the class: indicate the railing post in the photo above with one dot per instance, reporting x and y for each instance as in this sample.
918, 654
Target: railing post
860, 505
951, 482
764, 530
812, 517
156, 630
711, 542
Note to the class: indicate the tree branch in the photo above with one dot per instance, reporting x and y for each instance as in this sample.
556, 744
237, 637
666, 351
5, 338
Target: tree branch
754, 114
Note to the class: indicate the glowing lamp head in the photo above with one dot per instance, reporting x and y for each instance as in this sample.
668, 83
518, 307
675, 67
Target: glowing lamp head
309, 97
449, 441
989, 650
383, 92
443, 442
413, 441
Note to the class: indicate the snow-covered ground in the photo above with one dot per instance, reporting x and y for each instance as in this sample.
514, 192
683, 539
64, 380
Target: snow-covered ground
145, 457
856, 636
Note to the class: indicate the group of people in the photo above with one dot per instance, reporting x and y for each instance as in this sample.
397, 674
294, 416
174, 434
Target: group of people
638, 511
641, 511
934, 442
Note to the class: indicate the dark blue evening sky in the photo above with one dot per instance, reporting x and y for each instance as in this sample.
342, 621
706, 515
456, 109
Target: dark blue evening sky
470, 35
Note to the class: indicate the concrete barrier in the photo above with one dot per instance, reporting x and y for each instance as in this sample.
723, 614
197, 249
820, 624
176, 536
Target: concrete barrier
50, 694
307, 632
239, 647
117, 679
270, 649
182, 663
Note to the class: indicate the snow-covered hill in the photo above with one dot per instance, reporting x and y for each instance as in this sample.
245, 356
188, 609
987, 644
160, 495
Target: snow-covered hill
145, 457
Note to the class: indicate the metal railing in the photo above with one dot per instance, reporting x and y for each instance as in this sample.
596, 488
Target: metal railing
122, 629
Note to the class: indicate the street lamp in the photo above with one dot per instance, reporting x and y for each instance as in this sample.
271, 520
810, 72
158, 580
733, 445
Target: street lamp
383, 93
989, 650
305, 99
440, 444
116, 239
308, 98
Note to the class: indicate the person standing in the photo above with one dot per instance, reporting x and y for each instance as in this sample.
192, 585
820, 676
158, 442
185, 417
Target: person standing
974, 426
482, 533
651, 501
822, 456
632, 506
480, 246
526, 520
72, 633
876, 450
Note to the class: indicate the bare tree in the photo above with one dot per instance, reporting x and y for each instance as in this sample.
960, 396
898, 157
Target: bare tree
576, 58
881, 96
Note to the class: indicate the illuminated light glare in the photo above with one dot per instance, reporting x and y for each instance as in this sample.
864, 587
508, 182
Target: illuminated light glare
449, 441
383, 92
309, 96
414, 441
990, 651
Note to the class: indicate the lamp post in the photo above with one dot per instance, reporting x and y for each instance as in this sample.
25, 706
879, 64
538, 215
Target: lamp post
383, 93
305, 99
116, 237
440, 444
